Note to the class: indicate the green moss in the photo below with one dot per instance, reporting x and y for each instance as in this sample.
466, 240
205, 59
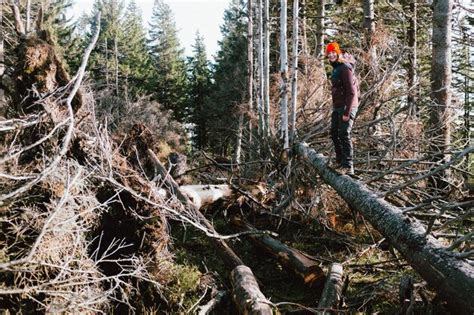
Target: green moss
183, 289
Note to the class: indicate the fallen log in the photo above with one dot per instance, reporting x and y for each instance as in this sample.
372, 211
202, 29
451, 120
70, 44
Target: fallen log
331, 296
291, 258
246, 293
452, 278
202, 195
227, 254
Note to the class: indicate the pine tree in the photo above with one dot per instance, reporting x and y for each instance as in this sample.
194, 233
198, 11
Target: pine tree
230, 75
104, 61
199, 91
135, 61
169, 81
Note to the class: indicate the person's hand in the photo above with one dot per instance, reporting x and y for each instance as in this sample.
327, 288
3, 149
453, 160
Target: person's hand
345, 118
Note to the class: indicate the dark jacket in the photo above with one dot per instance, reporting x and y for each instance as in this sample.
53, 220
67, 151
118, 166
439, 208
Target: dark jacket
344, 87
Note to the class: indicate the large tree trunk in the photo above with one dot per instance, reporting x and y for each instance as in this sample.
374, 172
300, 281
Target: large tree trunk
451, 277
441, 113
293, 259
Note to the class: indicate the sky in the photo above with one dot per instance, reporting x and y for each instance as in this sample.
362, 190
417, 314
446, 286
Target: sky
190, 16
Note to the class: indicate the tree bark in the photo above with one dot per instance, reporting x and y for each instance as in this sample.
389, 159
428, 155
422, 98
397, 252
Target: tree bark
266, 67
293, 259
202, 195
321, 12
412, 57
451, 277
294, 70
332, 291
250, 63
284, 75
260, 54
246, 293
441, 114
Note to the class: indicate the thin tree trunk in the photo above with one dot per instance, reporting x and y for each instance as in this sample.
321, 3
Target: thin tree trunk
238, 145
294, 70
369, 25
266, 68
261, 117
116, 66
320, 12
107, 82
453, 278
250, 63
304, 44
28, 16
412, 59
283, 75
20, 28
441, 114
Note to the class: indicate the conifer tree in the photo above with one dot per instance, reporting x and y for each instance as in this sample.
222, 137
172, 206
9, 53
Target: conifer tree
104, 61
136, 63
199, 91
230, 75
169, 82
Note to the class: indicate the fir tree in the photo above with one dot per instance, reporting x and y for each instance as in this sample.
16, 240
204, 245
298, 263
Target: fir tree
230, 75
169, 81
199, 91
135, 61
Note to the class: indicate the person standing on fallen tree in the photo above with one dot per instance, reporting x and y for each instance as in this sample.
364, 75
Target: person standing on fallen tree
344, 101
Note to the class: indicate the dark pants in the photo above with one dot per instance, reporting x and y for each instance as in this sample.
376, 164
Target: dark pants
341, 136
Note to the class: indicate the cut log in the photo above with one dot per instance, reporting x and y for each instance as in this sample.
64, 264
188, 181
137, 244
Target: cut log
452, 278
202, 195
291, 258
332, 292
246, 294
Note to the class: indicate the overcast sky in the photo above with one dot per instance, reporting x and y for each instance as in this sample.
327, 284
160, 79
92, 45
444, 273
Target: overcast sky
190, 16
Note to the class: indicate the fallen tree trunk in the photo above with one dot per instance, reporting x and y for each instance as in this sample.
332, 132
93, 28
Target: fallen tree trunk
292, 259
451, 277
332, 291
202, 195
227, 254
246, 293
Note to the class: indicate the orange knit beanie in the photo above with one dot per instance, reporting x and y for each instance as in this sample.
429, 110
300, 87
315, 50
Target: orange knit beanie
333, 47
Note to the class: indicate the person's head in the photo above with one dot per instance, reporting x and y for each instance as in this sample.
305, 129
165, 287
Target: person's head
333, 51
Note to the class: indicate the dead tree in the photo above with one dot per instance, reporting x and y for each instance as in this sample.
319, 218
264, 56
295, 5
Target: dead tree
301, 264
332, 291
247, 294
453, 278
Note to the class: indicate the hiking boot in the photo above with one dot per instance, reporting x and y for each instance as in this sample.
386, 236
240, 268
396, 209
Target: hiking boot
334, 164
345, 170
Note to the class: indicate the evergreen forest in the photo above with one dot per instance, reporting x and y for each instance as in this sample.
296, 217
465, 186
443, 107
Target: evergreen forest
136, 179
